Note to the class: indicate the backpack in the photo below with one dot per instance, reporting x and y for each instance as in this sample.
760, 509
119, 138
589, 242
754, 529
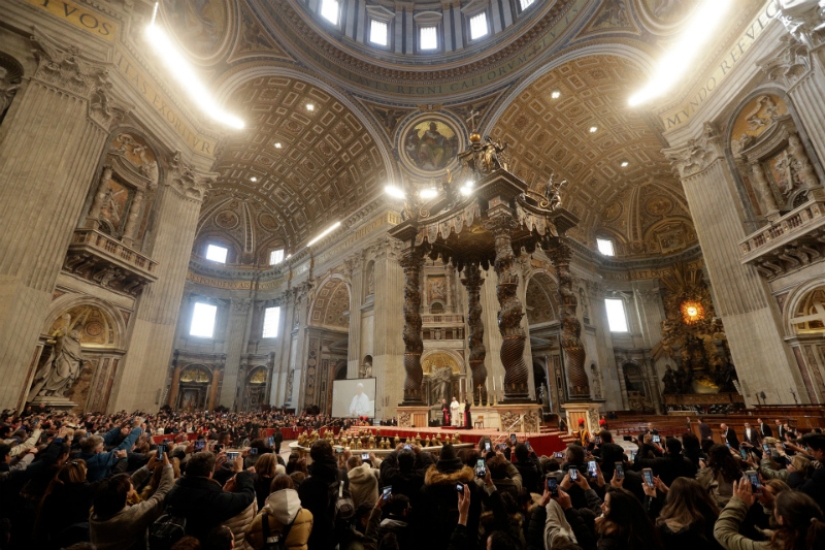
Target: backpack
166, 531
277, 541
341, 505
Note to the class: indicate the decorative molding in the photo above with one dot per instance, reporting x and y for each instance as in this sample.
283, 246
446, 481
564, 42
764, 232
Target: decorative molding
698, 153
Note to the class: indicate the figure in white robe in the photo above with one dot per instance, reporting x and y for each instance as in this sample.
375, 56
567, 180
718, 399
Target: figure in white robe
455, 413
360, 405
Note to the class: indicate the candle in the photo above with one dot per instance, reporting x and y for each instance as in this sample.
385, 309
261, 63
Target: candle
494, 382
502, 382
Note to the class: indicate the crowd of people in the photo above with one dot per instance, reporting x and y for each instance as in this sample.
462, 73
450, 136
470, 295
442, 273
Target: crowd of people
104, 482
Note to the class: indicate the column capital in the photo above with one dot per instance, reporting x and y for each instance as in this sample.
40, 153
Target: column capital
68, 71
241, 306
789, 63
805, 20
185, 179
698, 153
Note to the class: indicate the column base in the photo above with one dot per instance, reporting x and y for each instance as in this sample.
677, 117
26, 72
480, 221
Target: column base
510, 417
413, 416
582, 410
53, 402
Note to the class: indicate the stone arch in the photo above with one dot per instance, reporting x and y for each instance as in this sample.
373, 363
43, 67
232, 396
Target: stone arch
114, 321
541, 301
805, 301
332, 303
453, 358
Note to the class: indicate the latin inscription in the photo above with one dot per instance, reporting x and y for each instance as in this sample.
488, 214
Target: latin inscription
79, 17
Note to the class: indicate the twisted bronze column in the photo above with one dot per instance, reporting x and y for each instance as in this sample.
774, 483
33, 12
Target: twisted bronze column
472, 281
511, 310
572, 348
412, 261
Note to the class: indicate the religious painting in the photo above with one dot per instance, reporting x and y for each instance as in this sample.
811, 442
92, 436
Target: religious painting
201, 25
754, 118
95, 328
437, 361
137, 152
613, 14
196, 374
114, 208
782, 171
431, 145
437, 289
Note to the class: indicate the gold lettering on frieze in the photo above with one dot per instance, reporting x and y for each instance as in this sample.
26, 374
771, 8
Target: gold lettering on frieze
218, 283
682, 114
145, 85
79, 17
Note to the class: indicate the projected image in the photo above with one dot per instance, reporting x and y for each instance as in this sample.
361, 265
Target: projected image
353, 398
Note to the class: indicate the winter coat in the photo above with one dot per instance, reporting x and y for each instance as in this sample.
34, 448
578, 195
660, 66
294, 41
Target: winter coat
240, 523
283, 507
99, 465
204, 503
67, 504
363, 484
439, 506
687, 537
314, 493
719, 489
815, 486
127, 529
727, 527
669, 467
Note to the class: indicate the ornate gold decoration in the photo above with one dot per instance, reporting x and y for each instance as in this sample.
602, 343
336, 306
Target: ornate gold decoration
692, 312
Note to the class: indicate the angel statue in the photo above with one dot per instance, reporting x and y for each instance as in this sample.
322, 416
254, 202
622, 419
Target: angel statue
553, 191
493, 155
62, 367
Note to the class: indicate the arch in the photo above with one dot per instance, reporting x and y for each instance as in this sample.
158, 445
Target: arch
541, 300
634, 377
437, 307
799, 303
69, 302
332, 303
432, 359
340, 371
196, 374
643, 60
257, 376
248, 71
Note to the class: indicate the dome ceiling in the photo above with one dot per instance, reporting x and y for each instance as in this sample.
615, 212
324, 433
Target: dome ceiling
548, 135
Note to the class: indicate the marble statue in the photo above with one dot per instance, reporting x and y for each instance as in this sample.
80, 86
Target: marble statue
553, 191
56, 375
442, 384
366, 369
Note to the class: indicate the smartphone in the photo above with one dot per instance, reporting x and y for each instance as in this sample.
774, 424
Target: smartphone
408, 447
597, 440
756, 485
481, 468
161, 450
574, 473
553, 486
632, 456
253, 450
744, 454
365, 456
647, 473
529, 448
619, 470
592, 470
657, 439
459, 487
338, 450
558, 455
386, 492
231, 455
200, 444
766, 448
487, 446
271, 441
513, 439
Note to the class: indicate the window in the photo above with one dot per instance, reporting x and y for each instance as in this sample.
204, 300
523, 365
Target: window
616, 318
272, 315
329, 11
605, 247
526, 4
276, 256
378, 32
216, 253
203, 320
478, 26
429, 38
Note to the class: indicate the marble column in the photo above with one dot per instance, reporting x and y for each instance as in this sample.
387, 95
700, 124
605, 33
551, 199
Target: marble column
213, 388
412, 261
237, 335
130, 231
472, 281
53, 141
355, 267
277, 395
153, 332
303, 298
762, 360
492, 336
510, 312
174, 387
388, 338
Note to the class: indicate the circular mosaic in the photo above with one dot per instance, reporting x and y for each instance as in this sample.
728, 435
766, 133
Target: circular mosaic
202, 28
659, 206
611, 212
268, 221
429, 144
227, 219
93, 329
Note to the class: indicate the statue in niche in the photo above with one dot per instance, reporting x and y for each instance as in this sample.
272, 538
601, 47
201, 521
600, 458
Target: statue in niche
597, 382
366, 368
442, 384
63, 366
371, 280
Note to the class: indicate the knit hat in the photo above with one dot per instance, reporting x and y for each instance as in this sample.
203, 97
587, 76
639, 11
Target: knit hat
448, 461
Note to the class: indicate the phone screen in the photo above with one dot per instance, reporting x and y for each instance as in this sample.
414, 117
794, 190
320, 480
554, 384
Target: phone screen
459, 487
558, 455
574, 474
591, 468
513, 439
619, 470
271, 441
648, 475
553, 486
766, 448
756, 485
199, 445
338, 450
527, 443
231, 455
632, 456
487, 446
253, 450
161, 450
656, 439
596, 440
481, 468
365, 456
408, 447
744, 454
386, 492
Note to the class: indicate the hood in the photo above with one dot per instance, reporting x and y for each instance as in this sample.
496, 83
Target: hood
360, 474
284, 505
436, 477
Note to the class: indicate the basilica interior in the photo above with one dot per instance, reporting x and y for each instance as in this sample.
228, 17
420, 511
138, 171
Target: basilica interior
533, 203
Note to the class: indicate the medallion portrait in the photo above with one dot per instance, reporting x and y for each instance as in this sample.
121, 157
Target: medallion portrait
430, 145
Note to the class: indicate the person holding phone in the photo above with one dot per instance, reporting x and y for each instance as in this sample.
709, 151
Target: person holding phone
686, 516
363, 479
718, 474
624, 523
672, 465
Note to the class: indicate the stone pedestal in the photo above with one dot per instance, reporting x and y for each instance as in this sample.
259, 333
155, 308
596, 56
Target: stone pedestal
413, 416
587, 410
523, 417
53, 402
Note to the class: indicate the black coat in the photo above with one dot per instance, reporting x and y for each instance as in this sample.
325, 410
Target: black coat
688, 538
314, 494
705, 431
437, 516
204, 503
765, 430
669, 467
731, 439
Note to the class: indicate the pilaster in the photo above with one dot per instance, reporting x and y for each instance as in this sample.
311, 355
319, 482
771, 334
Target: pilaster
237, 335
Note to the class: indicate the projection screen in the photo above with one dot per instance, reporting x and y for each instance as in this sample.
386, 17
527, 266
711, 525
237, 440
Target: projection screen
353, 398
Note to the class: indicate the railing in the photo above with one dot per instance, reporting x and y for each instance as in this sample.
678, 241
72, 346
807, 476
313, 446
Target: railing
442, 319
102, 242
786, 229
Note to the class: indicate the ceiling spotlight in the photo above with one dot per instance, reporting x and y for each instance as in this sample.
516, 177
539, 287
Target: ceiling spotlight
467, 189
556, 94
394, 192
624, 164
324, 233
253, 179
310, 107
428, 193
593, 129
278, 145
